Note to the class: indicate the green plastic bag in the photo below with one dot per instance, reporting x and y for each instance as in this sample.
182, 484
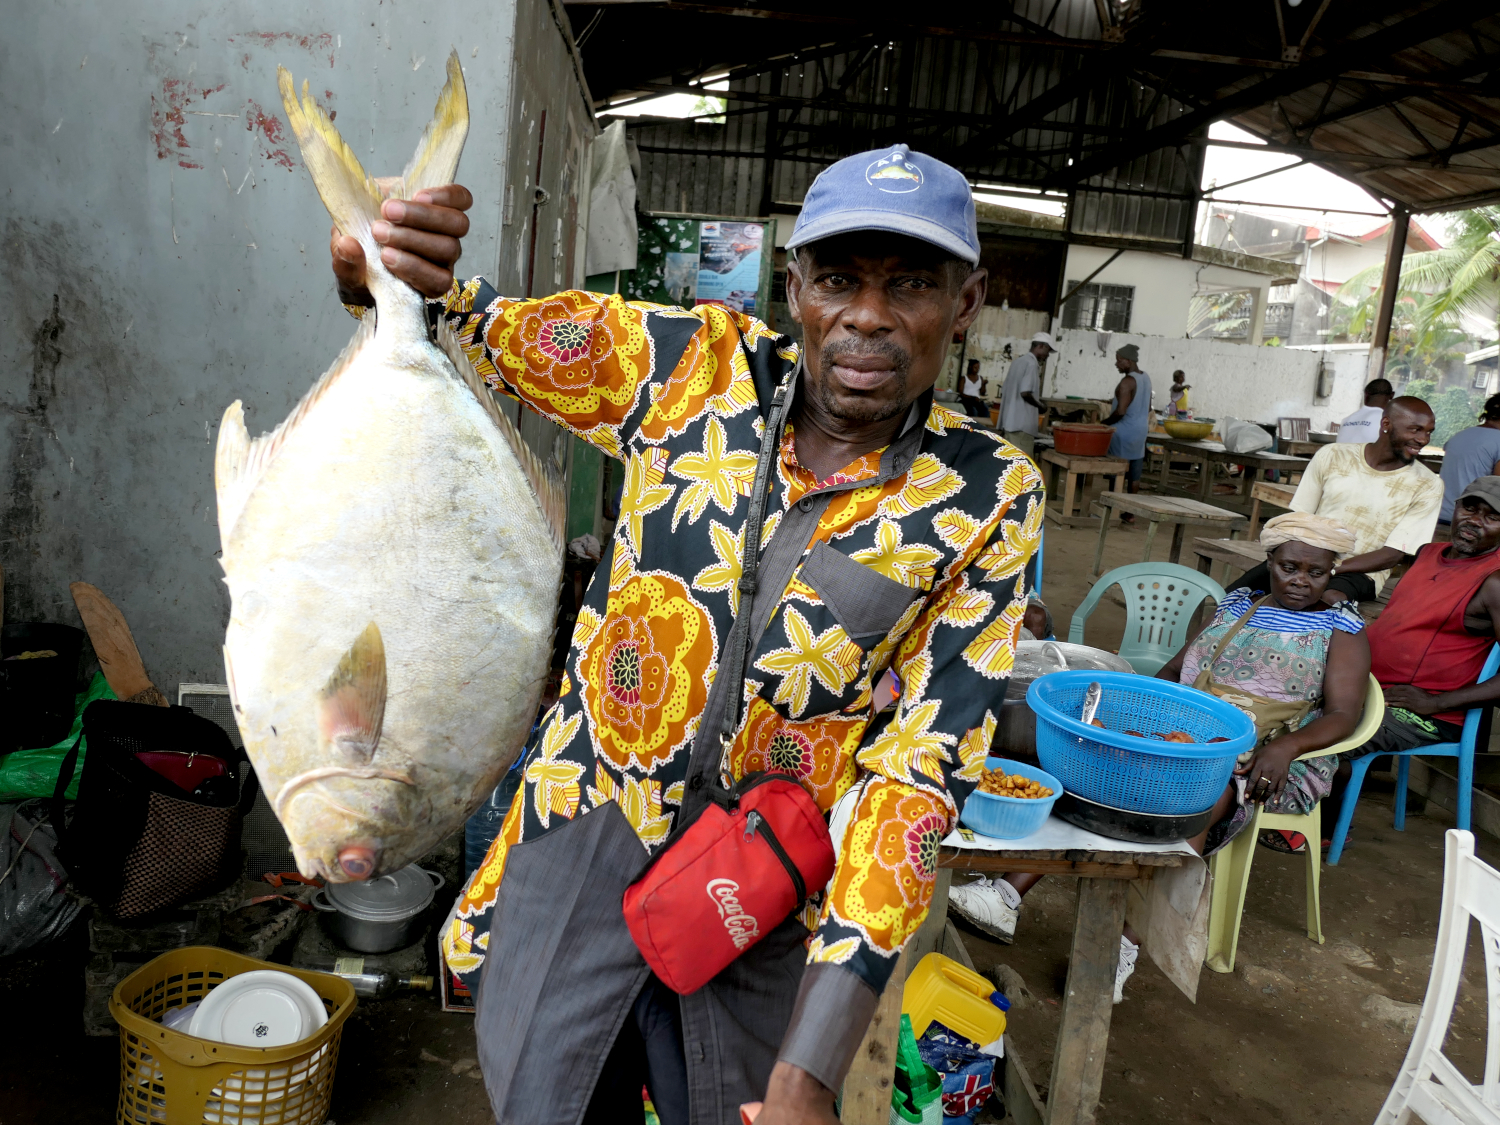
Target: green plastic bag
33, 773
917, 1094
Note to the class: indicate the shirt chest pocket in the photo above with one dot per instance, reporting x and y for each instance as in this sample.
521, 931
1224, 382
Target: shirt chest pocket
864, 601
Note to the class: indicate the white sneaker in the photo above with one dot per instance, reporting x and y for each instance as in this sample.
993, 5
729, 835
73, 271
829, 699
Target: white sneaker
1129, 951
991, 904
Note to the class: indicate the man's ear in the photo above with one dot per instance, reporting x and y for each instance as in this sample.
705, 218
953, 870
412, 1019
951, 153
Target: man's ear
794, 286
971, 296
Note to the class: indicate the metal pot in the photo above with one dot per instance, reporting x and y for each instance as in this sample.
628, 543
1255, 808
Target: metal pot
382, 914
1015, 730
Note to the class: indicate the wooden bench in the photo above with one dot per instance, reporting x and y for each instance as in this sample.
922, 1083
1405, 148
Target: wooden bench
1076, 471
1277, 494
1245, 554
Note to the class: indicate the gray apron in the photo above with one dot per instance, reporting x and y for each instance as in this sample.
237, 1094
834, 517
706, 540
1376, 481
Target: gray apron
561, 971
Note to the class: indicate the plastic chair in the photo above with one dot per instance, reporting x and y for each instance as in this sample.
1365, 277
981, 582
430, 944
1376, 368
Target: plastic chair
1429, 1087
1231, 865
1160, 599
1463, 750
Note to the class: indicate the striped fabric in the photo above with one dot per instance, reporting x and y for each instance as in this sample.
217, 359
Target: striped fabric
1344, 616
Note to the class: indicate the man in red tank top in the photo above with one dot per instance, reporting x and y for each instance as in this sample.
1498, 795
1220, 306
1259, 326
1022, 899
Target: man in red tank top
1429, 646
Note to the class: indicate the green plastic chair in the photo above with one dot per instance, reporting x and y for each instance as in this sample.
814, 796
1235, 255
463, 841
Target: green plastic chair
1160, 599
1231, 865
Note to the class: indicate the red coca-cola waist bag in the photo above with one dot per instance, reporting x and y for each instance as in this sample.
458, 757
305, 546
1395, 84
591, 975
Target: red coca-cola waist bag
745, 853
727, 877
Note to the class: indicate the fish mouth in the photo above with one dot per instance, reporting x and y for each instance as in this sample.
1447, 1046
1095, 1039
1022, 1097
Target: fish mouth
302, 780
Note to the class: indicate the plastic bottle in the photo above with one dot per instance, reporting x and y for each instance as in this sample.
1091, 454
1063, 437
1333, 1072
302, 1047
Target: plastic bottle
941, 989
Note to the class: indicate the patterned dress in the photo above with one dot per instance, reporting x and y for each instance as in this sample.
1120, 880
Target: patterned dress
1279, 654
677, 395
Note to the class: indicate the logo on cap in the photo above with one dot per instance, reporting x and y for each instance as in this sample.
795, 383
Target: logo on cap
894, 174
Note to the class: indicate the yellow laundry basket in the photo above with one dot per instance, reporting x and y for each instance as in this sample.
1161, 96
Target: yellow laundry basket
171, 1078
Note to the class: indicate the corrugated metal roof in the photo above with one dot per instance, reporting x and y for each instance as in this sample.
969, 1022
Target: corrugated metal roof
1066, 95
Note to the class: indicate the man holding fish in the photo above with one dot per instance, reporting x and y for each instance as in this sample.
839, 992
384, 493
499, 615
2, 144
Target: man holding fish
894, 538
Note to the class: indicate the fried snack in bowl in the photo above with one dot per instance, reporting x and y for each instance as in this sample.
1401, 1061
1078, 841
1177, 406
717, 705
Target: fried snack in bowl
1001, 784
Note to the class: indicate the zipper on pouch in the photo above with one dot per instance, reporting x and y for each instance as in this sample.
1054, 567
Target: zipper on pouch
754, 823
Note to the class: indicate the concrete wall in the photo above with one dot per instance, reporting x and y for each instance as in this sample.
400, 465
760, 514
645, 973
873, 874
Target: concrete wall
1164, 285
1258, 384
165, 253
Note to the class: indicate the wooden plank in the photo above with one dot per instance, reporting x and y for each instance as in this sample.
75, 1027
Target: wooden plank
1005, 862
867, 1086
119, 659
1083, 1034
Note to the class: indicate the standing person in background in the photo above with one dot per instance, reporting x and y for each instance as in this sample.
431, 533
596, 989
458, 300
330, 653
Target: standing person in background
1128, 415
1177, 402
1364, 424
971, 390
1467, 456
1019, 404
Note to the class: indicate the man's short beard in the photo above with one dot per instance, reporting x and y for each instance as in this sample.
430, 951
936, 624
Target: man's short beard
861, 410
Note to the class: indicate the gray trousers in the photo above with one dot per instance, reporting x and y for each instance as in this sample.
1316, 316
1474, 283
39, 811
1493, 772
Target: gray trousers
562, 975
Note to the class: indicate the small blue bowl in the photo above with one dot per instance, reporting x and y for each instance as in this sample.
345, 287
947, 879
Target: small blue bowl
1010, 818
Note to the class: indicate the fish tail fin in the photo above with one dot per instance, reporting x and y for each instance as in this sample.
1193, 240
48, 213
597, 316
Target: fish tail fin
436, 160
546, 487
351, 197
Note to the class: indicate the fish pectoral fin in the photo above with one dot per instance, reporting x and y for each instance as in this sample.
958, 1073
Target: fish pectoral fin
352, 707
436, 160
547, 489
230, 457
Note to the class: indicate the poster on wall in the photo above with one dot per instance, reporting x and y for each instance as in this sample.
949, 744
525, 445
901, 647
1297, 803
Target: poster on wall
729, 264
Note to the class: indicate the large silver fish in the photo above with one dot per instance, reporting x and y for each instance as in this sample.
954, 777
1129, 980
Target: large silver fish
394, 554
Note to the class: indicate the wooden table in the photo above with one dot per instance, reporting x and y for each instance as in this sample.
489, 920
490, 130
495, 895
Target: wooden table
1243, 553
1076, 471
1178, 511
1298, 448
1264, 491
1213, 452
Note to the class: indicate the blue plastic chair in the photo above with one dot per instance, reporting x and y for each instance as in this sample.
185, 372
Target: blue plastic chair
1160, 599
1463, 750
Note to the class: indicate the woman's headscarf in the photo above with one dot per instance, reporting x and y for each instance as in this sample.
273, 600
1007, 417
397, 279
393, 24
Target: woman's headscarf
1316, 531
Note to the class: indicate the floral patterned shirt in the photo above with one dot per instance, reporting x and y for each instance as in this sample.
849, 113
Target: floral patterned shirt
677, 395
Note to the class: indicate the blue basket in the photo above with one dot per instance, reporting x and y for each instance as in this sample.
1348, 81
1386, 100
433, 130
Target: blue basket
1010, 818
1142, 775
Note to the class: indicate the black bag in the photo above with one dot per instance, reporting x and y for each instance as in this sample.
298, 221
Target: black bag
138, 842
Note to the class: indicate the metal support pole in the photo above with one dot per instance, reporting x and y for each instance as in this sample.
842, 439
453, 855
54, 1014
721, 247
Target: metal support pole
1390, 281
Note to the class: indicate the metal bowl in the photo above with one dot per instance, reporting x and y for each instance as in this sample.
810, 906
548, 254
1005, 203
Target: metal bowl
1015, 731
1132, 827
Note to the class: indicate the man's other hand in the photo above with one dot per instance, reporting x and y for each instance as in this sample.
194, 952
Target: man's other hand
795, 1097
419, 240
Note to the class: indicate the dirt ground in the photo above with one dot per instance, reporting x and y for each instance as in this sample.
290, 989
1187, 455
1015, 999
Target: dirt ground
1286, 1037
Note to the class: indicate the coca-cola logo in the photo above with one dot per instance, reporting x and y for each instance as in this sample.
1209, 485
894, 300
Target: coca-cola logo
742, 927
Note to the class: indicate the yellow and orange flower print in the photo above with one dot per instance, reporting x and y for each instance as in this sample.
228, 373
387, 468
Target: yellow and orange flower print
642, 675
579, 359
712, 367
819, 753
885, 876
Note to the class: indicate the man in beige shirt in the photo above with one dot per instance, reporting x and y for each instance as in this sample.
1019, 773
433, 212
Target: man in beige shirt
1379, 491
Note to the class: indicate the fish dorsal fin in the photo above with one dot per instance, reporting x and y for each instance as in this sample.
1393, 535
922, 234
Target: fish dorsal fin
345, 187
436, 160
351, 708
239, 462
547, 488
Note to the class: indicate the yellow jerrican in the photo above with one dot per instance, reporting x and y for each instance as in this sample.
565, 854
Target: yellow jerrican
393, 552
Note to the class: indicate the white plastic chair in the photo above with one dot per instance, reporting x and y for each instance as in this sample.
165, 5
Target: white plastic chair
1428, 1086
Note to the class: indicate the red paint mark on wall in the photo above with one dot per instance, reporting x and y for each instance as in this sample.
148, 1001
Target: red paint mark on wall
269, 134
318, 44
169, 110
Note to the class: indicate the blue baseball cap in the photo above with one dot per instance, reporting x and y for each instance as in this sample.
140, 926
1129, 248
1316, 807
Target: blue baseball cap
891, 189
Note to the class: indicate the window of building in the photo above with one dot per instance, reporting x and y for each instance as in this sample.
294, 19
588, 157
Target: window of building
1099, 306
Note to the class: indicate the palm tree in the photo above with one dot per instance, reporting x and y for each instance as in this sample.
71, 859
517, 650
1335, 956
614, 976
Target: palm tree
1437, 287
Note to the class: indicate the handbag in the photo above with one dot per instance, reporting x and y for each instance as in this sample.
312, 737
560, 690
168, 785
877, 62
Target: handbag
746, 853
140, 840
1272, 717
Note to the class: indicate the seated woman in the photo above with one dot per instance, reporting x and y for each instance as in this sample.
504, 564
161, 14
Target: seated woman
1297, 664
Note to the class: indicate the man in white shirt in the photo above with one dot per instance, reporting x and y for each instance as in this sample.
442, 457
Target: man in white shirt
1364, 424
1019, 401
1379, 491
